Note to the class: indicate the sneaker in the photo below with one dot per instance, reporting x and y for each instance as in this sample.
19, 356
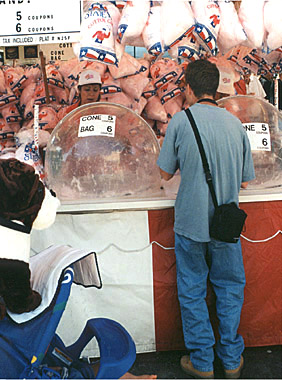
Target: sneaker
188, 367
234, 373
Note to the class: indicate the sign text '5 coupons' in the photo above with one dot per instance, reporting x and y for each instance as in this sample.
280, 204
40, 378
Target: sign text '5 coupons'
31, 22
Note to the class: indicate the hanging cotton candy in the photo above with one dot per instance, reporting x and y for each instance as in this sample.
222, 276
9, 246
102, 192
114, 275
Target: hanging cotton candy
231, 32
273, 23
97, 38
115, 16
207, 14
252, 19
177, 21
133, 20
152, 35
188, 48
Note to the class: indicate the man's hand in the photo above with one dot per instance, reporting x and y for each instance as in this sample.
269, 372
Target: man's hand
166, 176
244, 185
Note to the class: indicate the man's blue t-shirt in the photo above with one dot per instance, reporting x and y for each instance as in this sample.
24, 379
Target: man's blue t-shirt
229, 156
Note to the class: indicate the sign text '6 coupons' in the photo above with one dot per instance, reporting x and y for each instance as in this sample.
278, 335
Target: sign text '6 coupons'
97, 125
31, 22
259, 136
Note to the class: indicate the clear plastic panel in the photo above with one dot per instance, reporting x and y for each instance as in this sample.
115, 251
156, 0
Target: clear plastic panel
263, 123
116, 160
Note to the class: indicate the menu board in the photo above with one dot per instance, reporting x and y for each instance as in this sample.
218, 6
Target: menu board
31, 22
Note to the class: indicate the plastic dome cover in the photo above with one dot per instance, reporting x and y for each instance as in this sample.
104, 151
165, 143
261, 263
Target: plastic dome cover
263, 123
102, 150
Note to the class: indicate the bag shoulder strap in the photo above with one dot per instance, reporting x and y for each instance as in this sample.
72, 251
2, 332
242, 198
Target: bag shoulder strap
203, 156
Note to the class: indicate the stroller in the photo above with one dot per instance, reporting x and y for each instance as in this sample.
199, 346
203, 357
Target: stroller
29, 345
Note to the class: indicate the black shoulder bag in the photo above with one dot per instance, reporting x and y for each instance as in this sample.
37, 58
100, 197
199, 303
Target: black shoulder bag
228, 219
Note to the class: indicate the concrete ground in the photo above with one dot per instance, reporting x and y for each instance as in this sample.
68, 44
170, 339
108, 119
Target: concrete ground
260, 363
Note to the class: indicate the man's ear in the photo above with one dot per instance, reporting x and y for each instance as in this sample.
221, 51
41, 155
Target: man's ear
47, 213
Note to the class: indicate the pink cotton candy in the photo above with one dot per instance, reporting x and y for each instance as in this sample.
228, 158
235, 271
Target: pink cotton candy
176, 21
134, 85
163, 71
48, 118
187, 49
32, 74
2, 82
155, 110
66, 67
8, 98
27, 94
11, 114
168, 92
273, 23
139, 105
252, 19
98, 67
231, 32
149, 90
128, 65
132, 22
12, 76
110, 85
274, 59
119, 98
172, 107
145, 66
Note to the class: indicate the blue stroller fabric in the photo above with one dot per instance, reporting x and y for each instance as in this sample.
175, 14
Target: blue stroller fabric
29, 345
24, 345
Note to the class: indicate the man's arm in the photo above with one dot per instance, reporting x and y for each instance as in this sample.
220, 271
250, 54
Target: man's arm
166, 176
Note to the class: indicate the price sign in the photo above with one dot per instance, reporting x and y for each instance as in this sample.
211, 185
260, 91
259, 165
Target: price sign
31, 22
97, 125
259, 136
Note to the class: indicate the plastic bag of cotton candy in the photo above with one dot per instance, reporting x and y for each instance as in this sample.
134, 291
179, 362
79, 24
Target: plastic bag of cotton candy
97, 35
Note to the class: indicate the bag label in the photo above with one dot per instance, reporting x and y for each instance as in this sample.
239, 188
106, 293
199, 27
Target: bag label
259, 136
97, 125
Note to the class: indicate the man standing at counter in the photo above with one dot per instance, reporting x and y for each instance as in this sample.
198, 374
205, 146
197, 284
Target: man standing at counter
198, 256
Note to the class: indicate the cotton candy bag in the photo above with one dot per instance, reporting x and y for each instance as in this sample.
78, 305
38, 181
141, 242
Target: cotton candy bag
132, 22
273, 23
97, 37
177, 20
188, 48
152, 35
251, 17
231, 32
207, 15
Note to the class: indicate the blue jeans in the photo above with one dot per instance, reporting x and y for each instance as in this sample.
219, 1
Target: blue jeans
223, 263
